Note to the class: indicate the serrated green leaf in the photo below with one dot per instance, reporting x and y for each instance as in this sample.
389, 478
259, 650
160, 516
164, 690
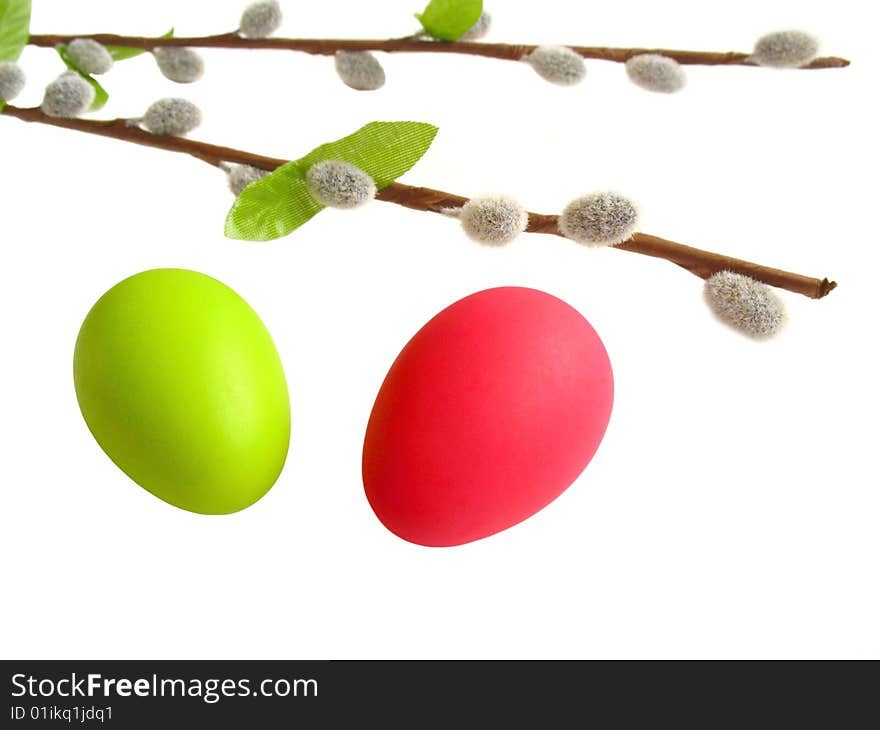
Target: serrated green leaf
15, 21
123, 53
280, 203
101, 94
449, 20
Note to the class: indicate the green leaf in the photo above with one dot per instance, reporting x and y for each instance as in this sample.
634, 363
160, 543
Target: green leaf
15, 21
383, 150
280, 203
273, 207
101, 94
123, 53
449, 20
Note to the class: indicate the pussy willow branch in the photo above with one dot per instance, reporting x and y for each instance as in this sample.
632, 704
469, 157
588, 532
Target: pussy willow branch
327, 47
698, 262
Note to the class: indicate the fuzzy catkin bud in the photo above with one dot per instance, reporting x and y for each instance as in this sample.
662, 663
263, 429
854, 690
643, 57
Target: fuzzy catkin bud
68, 96
182, 65
557, 64
12, 80
339, 184
785, 49
493, 220
171, 117
479, 29
653, 72
746, 304
260, 20
90, 56
360, 70
599, 219
240, 176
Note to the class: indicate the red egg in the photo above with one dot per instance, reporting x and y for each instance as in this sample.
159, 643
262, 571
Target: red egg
487, 415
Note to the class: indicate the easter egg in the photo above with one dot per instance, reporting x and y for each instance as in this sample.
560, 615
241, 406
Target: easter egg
181, 385
487, 415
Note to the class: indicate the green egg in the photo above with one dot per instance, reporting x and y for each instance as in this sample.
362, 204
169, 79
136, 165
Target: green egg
181, 385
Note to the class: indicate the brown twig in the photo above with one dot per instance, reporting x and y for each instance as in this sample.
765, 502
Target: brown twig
329, 46
698, 262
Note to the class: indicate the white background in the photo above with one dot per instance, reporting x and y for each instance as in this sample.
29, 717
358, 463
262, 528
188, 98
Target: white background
733, 508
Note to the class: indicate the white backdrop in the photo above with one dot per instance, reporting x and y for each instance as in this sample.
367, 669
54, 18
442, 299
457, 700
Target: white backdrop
732, 510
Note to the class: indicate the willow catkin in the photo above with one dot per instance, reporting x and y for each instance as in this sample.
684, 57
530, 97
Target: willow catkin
68, 96
599, 219
359, 70
785, 49
746, 304
657, 73
260, 20
12, 80
493, 220
240, 176
339, 184
171, 117
181, 65
557, 64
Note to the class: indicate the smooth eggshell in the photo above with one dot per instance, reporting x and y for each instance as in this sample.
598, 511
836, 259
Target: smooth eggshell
180, 383
488, 414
